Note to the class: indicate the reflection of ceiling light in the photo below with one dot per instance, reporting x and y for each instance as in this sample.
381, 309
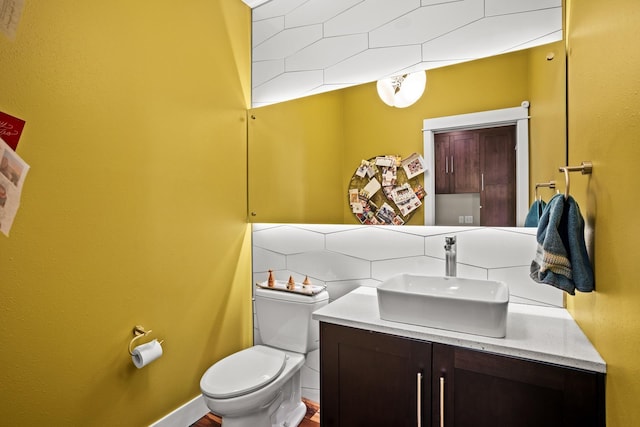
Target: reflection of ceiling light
402, 91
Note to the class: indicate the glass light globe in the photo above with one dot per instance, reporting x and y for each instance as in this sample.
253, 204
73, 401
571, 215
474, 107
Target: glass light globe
402, 91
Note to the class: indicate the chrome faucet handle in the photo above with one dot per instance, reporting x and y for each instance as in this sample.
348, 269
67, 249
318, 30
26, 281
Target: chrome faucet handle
450, 256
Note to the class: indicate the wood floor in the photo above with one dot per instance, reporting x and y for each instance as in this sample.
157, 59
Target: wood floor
312, 419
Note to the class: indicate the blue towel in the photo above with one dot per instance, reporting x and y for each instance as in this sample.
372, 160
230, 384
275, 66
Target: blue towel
533, 217
561, 258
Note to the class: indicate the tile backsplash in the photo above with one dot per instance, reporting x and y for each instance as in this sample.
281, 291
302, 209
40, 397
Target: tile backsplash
343, 257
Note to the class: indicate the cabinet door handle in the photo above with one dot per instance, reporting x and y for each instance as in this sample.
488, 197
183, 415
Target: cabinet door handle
451, 164
446, 164
441, 401
419, 403
482, 178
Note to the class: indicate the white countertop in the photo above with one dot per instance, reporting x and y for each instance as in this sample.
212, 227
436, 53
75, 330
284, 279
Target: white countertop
545, 334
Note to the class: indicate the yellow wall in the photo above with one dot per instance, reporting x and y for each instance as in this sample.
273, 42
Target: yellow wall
604, 127
133, 211
547, 130
295, 159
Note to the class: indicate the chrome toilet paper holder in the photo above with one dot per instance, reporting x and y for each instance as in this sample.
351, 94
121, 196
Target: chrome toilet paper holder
139, 332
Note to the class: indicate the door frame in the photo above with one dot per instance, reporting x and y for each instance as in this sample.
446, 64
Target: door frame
518, 116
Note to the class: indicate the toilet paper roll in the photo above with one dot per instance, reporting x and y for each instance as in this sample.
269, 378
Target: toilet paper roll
146, 353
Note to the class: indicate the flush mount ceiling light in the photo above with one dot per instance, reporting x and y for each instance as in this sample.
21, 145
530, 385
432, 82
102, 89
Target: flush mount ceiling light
402, 91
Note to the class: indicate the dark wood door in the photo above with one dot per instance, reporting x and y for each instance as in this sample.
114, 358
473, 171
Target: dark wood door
465, 162
457, 162
441, 162
370, 379
498, 177
486, 390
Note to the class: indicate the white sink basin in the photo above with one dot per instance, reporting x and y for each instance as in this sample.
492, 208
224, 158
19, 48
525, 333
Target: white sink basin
472, 306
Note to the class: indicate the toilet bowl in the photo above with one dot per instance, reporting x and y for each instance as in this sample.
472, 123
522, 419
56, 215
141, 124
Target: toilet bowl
260, 386
246, 388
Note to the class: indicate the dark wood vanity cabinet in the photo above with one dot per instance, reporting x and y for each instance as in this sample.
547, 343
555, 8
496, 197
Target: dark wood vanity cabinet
374, 379
370, 379
481, 389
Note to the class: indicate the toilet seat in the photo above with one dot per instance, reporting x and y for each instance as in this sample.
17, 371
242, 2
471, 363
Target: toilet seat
243, 372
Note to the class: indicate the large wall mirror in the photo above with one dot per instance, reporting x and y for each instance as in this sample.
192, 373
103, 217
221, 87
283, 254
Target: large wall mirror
302, 153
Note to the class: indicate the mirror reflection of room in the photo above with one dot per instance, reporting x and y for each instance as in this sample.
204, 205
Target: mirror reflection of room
321, 139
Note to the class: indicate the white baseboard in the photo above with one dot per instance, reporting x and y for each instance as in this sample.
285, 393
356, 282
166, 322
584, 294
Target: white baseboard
185, 415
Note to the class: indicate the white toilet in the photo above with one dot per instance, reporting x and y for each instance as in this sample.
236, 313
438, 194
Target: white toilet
260, 386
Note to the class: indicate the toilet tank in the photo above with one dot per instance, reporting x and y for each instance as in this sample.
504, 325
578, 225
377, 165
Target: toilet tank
284, 319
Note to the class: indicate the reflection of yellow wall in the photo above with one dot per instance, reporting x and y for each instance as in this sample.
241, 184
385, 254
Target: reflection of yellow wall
134, 211
295, 158
604, 127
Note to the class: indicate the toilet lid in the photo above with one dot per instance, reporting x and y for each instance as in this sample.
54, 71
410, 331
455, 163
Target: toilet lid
243, 372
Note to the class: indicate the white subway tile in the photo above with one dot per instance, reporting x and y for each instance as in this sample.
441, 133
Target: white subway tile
375, 243
288, 240
329, 266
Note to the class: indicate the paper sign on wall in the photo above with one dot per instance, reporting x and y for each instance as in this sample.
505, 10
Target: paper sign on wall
13, 171
10, 129
10, 13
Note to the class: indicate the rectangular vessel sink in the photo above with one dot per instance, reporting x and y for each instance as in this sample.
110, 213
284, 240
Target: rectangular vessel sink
472, 306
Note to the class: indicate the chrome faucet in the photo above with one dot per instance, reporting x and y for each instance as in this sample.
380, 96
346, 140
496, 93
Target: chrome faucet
450, 256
